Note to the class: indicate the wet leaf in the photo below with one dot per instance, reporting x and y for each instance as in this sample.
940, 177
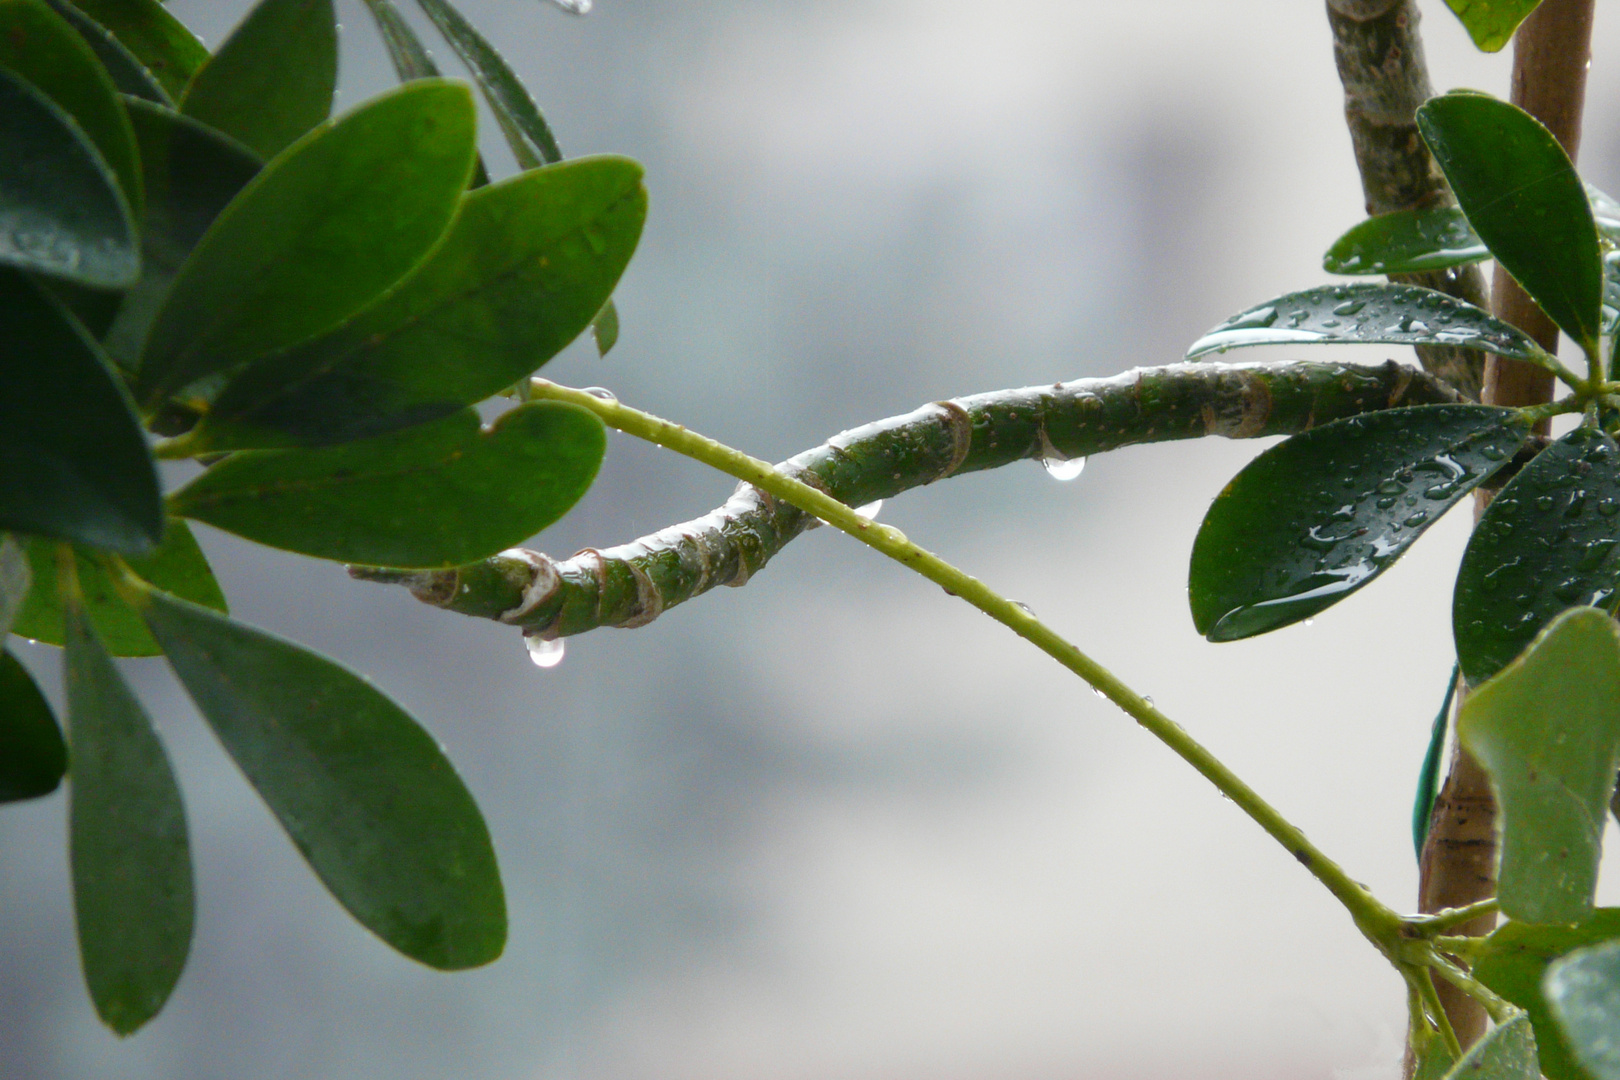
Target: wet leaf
177, 567
1491, 22
1547, 730
63, 213
1546, 542
15, 578
272, 79
1507, 1052
1369, 314
85, 474
132, 888
160, 41
525, 266
40, 46
128, 74
1522, 197
365, 794
33, 757
1584, 992
1318, 516
1428, 785
1406, 242
1512, 963
441, 494
410, 58
319, 234
191, 174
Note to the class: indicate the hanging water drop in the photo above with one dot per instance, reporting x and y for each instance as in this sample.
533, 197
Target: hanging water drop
602, 393
574, 7
1308, 622
1059, 468
545, 652
871, 509
1099, 693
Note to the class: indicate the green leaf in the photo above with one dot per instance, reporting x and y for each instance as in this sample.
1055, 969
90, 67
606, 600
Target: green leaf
192, 172
38, 45
1491, 22
86, 475
1584, 991
1406, 242
33, 757
63, 213
605, 328
160, 41
1507, 1052
15, 578
132, 890
1434, 1061
520, 120
1546, 542
128, 74
405, 50
1369, 314
318, 235
1547, 730
525, 266
1316, 517
1512, 963
1428, 785
177, 567
365, 794
273, 78
441, 494
1522, 196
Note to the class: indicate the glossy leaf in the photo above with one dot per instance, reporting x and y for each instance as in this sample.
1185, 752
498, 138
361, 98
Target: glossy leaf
1584, 992
40, 46
1513, 962
1428, 785
1406, 242
1318, 516
177, 567
1369, 314
318, 235
128, 74
1507, 1052
191, 174
15, 579
63, 213
160, 41
132, 887
33, 757
1545, 543
83, 475
405, 50
1491, 22
525, 266
1547, 730
442, 494
365, 794
1522, 196
272, 79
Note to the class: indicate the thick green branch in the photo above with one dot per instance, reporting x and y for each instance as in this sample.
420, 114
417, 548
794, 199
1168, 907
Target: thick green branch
632, 584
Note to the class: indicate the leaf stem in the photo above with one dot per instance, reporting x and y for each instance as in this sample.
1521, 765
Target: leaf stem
1431, 998
1441, 921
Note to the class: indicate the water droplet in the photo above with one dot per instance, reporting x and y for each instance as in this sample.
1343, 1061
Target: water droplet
1308, 622
1099, 693
1609, 507
1386, 501
575, 7
870, 510
1149, 699
1492, 453
545, 652
1390, 487
1255, 319
1544, 503
1063, 468
601, 393
1349, 307
1414, 520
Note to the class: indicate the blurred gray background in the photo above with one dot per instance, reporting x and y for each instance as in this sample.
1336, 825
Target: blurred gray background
835, 824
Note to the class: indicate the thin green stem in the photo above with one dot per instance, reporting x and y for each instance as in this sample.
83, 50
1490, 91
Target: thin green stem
1499, 1008
1466, 949
1431, 999
1379, 923
1441, 921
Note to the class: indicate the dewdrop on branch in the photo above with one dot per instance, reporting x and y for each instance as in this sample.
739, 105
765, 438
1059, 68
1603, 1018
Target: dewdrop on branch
545, 652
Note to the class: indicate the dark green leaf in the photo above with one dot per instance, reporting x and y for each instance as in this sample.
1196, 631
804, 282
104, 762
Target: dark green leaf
177, 567
160, 41
1584, 992
1522, 197
1318, 516
365, 794
441, 494
33, 757
1406, 242
272, 79
132, 890
1369, 314
318, 235
605, 328
88, 477
1545, 543
129, 75
1547, 730
1512, 963
1491, 22
38, 45
191, 174
405, 49
1434, 1061
15, 579
1429, 775
525, 266
63, 213
526, 130
1507, 1052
